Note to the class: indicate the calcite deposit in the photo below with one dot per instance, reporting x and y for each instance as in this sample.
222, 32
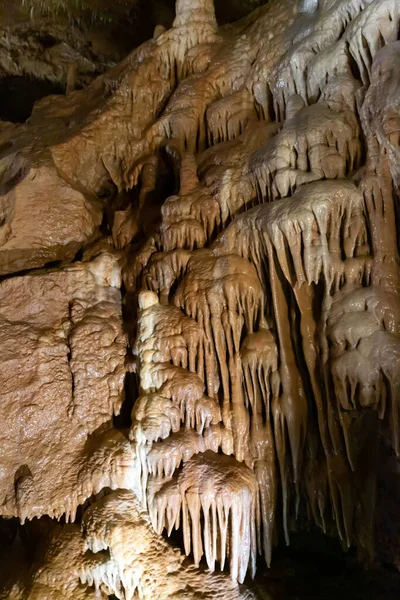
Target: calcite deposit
62, 377
204, 239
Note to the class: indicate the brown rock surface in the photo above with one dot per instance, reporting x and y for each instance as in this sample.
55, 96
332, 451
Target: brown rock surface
246, 179
44, 220
62, 373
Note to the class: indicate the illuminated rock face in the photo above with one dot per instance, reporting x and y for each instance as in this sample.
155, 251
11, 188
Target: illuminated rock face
62, 375
261, 298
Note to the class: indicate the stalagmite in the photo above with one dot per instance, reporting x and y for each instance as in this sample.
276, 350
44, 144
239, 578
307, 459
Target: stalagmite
200, 299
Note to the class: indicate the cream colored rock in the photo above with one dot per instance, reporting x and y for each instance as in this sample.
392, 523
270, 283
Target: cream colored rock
266, 285
264, 299
217, 494
141, 562
55, 574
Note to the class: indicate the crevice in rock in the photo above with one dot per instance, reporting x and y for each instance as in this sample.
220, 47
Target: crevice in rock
18, 95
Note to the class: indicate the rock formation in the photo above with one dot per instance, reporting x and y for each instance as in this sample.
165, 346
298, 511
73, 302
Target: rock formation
204, 236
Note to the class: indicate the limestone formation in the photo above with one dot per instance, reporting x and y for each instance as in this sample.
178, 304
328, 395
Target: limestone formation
204, 237
62, 341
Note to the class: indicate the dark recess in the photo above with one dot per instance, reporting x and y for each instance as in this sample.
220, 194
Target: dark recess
18, 95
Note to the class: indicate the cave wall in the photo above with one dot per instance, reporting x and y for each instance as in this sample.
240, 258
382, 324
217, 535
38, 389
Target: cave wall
213, 220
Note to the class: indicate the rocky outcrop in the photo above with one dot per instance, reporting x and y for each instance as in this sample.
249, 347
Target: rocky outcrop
62, 355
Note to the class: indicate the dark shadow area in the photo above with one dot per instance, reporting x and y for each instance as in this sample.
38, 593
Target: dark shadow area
19, 543
123, 420
228, 12
18, 95
315, 566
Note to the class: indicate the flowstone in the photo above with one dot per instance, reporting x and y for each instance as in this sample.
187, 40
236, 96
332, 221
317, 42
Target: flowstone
223, 207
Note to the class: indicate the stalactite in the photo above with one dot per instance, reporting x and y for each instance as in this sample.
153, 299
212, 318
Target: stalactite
227, 196
316, 143
163, 270
229, 117
223, 491
364, 332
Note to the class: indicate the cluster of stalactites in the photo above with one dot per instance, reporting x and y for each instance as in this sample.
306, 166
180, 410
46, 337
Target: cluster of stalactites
172, 392
272, 249
236, 289
317, 236
320, 137
177, 432
364, 329
319, 232
140, 563
213, 498
173, 419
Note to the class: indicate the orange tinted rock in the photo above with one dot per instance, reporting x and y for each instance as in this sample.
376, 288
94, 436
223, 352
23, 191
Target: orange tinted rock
62, 377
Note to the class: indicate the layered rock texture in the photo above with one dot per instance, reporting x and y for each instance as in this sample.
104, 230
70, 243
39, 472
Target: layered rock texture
204, 239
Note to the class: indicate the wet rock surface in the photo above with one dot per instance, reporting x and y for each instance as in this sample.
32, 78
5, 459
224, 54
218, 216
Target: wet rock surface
204, 239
